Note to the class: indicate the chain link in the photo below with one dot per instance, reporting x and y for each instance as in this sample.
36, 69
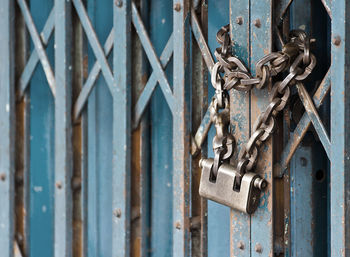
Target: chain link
230, 73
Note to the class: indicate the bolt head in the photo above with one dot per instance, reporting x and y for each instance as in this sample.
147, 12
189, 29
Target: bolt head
177, 7
178, 225
59, 184
239, 20
257, 23
118, 3
336, 40
258, 248
3, 176
240, 245
117, 212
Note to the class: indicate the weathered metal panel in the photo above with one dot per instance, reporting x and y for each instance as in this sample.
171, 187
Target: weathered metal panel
63, 132
301, 203
38, 45
7, 128
261, 44
199, 218
340, 127
121, 129
100, 151
41, 146
240, 243
181, 129
218, 215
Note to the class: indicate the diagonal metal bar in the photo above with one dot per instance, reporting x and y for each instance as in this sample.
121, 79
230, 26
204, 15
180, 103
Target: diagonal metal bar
327, 5
34, 57
90, 82
202, 44
38, 45
204, 127
151, 83
95, 45
314, 117
302, 126
151, 54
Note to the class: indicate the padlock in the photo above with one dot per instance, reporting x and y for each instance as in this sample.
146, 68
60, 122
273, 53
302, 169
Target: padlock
228, 187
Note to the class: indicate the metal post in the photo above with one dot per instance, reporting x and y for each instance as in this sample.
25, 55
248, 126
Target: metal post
63, 131
261, 43
340, 127
181, 129
7, 129
240, 118
121, 94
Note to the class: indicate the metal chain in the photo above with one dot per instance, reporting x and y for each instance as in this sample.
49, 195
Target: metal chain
295, 58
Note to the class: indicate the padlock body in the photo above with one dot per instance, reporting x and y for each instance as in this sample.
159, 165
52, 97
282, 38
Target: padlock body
221, 190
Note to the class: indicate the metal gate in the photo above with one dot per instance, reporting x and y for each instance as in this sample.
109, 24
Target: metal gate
103, 107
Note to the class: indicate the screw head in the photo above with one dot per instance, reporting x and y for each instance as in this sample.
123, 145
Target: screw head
117, 212
258, 248
239, 20
118, 3
177, 7
336, 40
257, 23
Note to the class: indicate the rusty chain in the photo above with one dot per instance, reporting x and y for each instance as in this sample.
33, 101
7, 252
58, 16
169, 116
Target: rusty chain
230, 73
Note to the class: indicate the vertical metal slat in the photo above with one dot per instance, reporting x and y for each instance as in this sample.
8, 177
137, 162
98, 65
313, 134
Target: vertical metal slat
63, 132
121, 128
181, 129
340, 127
240, 119
7, 129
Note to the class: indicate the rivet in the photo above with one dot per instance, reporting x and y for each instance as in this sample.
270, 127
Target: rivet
59, 184
257, 23
240, 245
177, 7
258, 248
239, 20
3, 176
336, 40
303, 161
117, 212
118, 3
178, 225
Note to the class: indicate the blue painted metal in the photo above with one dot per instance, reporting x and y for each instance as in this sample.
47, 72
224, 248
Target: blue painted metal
314, 117
100, 149
340, 127
34, 57
94, 42
301, 178
121, 94
41, 147
161, 28
181, 129
93, 75
63, 210
147, 92
7, 128
261, 44
240, 120
218, 215
154, 61
304, 124
38, 45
